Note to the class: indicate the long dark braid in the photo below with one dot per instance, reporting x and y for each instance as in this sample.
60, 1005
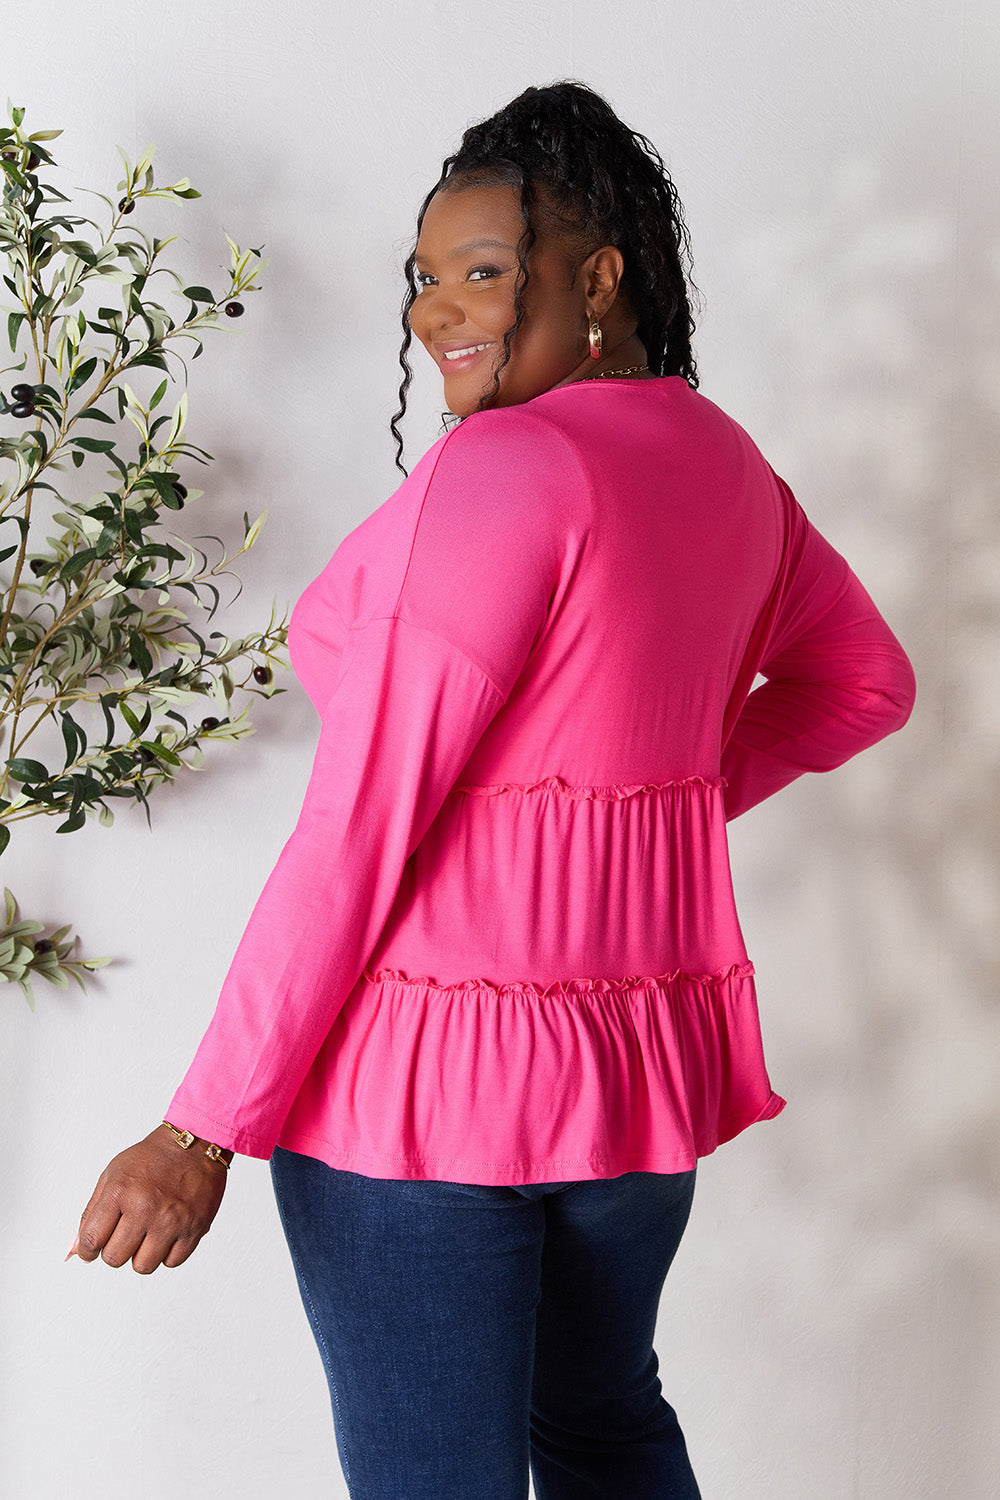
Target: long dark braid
603, 184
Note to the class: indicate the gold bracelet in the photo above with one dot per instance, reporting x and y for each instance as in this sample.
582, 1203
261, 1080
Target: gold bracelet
184, 1139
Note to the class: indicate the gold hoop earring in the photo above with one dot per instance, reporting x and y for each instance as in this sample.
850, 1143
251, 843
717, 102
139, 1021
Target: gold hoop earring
595, 337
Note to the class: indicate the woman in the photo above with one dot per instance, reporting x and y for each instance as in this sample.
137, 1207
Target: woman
493, 1002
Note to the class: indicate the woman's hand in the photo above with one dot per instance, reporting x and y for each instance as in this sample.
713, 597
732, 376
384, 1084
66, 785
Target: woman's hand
152, 1204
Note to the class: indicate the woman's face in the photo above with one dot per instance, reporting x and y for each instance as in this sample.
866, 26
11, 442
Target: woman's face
466, 269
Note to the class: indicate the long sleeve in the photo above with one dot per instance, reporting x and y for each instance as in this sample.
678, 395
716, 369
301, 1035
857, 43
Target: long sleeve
397, 729
838, 679
447, 586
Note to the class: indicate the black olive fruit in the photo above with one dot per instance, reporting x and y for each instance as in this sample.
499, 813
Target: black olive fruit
234, 309
33, 162
22, 409
38, 565
22, 392
210, 723
43, 946
262, 674
126, 205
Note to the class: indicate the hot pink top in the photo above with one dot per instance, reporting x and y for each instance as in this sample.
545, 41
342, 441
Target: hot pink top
500, 944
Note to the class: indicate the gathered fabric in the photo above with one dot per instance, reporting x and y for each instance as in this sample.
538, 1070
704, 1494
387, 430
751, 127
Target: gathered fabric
501, 944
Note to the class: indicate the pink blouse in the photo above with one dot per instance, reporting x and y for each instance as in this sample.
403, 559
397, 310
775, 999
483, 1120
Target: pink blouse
500, 944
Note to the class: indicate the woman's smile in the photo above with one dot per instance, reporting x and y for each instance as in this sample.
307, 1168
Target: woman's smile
456, 356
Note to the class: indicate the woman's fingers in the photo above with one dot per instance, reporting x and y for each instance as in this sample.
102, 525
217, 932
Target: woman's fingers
154, 1251
98, 1224
124, 1242
179, 1252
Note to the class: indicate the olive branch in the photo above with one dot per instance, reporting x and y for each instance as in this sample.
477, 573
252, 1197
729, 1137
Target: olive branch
91, 624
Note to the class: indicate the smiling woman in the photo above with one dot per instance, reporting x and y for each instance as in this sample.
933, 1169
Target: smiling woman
501, 943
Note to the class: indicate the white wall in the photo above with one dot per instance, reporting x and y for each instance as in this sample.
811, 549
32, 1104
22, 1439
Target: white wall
830, 1325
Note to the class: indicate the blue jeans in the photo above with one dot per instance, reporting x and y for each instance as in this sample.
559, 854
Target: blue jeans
468, 1331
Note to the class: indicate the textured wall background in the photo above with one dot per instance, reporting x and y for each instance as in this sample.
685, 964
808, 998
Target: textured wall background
830, 1326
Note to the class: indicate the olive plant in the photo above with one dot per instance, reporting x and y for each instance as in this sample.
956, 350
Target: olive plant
98, 620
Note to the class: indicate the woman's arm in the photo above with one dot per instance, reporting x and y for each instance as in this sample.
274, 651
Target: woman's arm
403, 720
447, 594
838, 679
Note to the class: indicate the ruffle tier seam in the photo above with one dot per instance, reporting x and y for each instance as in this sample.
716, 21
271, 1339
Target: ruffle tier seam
585, 793
742, 970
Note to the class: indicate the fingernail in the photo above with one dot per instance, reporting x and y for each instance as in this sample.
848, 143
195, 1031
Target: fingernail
72, 1249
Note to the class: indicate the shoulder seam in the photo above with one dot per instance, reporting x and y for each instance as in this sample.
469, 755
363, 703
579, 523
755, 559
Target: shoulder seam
395, 619
416, 523
531, 415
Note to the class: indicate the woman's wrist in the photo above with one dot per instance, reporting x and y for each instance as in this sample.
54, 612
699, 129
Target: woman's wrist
188, 1141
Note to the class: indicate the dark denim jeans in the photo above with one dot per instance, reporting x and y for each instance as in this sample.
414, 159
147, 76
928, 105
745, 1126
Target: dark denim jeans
469, 1331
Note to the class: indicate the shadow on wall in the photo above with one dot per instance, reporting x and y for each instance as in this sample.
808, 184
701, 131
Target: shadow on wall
883, 311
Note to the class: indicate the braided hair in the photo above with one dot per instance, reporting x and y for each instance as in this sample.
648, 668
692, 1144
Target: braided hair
583, 173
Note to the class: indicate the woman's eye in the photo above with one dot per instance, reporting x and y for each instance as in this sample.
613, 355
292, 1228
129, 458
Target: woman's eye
477, 272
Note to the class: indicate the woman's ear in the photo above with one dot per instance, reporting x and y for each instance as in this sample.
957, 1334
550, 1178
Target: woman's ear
602, 274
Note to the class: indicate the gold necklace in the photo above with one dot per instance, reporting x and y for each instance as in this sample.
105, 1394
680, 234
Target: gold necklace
629, 370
